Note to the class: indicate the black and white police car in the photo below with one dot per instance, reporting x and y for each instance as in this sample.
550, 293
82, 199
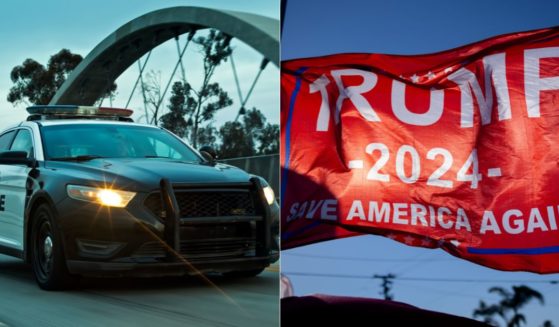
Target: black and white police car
85, 191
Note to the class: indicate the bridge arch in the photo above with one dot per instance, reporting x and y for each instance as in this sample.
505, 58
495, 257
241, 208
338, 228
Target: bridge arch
110, 58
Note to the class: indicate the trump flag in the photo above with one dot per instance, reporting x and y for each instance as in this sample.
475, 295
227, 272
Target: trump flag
457, 149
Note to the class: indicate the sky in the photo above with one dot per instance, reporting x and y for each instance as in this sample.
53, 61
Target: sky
346, 266
38, 29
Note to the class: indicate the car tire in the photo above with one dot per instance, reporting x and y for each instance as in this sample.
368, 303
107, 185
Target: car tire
244, 273
47, 255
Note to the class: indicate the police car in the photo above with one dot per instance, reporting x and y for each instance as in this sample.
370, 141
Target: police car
85, 191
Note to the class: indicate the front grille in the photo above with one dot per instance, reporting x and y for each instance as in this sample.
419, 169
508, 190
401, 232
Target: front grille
218, 248
215, 241
225, 240
206, 203
208, 240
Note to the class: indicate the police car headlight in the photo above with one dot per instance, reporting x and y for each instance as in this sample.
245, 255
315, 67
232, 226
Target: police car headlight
269, 194
103, 196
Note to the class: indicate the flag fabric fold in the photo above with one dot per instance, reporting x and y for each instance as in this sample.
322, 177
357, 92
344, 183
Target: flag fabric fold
457, 149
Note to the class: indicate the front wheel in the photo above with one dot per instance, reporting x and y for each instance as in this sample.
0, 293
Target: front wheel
49, 264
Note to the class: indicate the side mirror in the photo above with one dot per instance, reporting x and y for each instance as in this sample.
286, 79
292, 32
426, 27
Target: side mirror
15, 157
208, 153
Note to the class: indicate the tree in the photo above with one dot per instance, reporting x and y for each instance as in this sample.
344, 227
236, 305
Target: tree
252, 123
251, 136
263, 136
508, 308
487, 312
207, 136
201, 105
37, 84
235, 141
151, 94
254, 120
174, 119
269, 139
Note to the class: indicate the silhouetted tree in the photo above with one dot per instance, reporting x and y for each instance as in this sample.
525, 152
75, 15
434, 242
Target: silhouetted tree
508, 308
251, 136
151, 94
269, 139
174, 119
488, 312
254, 121
207, 136
37, 84
201, 105
235, 141
210, 97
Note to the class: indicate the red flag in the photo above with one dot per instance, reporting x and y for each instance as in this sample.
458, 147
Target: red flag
457, 149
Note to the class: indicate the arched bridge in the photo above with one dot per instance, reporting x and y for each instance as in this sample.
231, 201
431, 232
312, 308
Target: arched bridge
110, 58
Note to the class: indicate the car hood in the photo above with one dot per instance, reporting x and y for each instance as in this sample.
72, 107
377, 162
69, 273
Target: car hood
146, 174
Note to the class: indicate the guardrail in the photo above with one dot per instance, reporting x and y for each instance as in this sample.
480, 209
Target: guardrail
266, 166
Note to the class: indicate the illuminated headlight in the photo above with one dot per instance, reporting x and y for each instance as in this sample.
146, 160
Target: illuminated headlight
269, 194
103, 196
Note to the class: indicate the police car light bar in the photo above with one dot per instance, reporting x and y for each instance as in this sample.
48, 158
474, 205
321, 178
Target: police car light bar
72, 110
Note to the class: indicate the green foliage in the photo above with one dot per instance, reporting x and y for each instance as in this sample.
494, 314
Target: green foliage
174, 119
252, 136
37, 84
269, 139
264, 134
190, 109
235, 141
508, 308
200, 106
487, 312
215, 48
207, 136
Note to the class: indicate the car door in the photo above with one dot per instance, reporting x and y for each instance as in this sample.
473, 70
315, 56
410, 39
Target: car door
13, 179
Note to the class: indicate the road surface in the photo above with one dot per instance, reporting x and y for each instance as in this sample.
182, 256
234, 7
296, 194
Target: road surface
157, 302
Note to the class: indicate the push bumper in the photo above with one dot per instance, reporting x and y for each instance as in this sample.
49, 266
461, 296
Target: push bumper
118, 269
147, 246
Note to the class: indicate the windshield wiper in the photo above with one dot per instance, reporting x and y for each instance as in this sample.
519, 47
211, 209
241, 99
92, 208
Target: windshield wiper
157, 157
164, 157
86, 157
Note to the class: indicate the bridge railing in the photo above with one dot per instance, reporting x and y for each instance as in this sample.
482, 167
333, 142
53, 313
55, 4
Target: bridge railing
266, 166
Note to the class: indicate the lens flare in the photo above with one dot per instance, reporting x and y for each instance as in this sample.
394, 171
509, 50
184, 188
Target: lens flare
103, 196
109, 198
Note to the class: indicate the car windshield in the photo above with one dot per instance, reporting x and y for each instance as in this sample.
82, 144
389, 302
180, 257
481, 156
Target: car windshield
89, 141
